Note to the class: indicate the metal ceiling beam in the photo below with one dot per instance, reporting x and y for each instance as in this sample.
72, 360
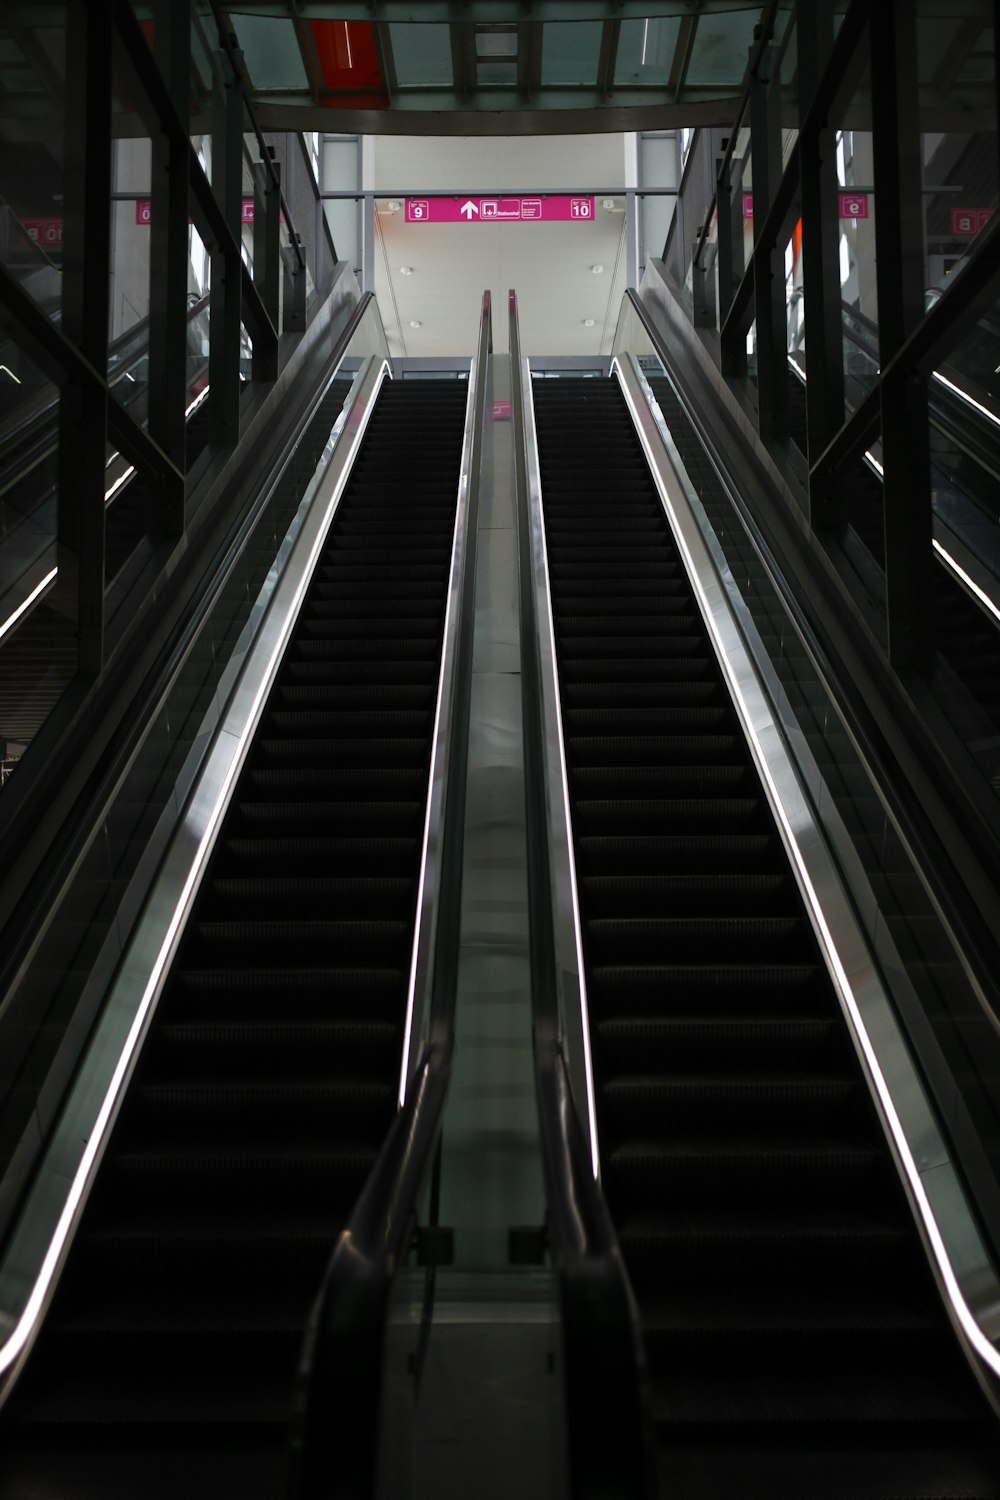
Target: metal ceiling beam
682, 56
529, 60
386, 60
609, 56
496, 12
498, 111
463, 67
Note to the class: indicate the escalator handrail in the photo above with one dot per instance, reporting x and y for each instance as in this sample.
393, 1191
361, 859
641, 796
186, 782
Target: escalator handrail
338, 1403
607, 1402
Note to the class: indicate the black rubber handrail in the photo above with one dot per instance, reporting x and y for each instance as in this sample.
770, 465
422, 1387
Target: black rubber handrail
336, 1425
609, 1432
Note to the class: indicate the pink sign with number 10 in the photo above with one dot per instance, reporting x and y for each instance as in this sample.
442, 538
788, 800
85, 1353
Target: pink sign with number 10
556, 208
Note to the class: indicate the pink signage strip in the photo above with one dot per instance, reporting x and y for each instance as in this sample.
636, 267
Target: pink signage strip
554, 209
43, 231
144, 210
849, 205
967, 222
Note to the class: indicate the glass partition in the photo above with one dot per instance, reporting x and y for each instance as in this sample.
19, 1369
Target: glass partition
32, 223
938, 1000
73, 957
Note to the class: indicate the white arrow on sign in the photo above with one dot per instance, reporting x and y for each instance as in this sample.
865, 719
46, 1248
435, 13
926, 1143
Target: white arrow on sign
468, 209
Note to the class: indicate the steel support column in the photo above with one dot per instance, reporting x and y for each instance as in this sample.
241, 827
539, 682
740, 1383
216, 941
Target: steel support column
899, 244
293, 318
733, 351
225, 303
83, 407
168, 260
267, 262
818, 187
768, 257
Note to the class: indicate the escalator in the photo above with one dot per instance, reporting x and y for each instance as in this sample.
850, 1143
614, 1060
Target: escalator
796, 1343
269, 1077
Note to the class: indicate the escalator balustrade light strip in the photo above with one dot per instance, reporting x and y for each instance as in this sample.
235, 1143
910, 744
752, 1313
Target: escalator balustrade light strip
969, 400
122, 479
201, 397
955, 567
774, 766
200, 826
26, 604
541, 571
967, 582
423, 944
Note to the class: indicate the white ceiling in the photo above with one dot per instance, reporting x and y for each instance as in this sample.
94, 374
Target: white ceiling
548, 265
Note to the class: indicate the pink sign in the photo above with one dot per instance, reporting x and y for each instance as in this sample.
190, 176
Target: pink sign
144, 210
853, 205
967, 222
849, 205
501, 411
43, 231
557, 208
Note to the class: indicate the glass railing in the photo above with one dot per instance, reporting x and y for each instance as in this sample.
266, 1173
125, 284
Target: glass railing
941, 1003
56, 983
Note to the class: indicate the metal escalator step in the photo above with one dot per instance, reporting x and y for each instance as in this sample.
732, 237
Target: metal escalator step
310, 942
275, 897
714, 938
330, 819
314, 855
673, 1107
718, 989
647, 816
658, 781
727, 1043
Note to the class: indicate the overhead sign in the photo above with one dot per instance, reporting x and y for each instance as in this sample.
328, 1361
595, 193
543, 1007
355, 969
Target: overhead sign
849, 205
554, 209
144, 211
43, 231
967, 222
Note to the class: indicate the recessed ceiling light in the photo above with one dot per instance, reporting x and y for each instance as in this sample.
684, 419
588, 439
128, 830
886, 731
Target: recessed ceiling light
416, 323
597, 270
406, 270
588, 322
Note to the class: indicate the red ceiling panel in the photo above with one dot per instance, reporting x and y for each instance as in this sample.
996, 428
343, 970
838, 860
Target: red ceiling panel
349, 63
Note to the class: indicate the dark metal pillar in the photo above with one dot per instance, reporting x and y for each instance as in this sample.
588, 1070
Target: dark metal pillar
733, 350
899, 244
267, 262
83, 410
768, 259
226, 297
294, 311
168, 260
818, 187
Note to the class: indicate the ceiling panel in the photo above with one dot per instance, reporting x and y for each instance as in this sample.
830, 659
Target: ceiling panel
550, 265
